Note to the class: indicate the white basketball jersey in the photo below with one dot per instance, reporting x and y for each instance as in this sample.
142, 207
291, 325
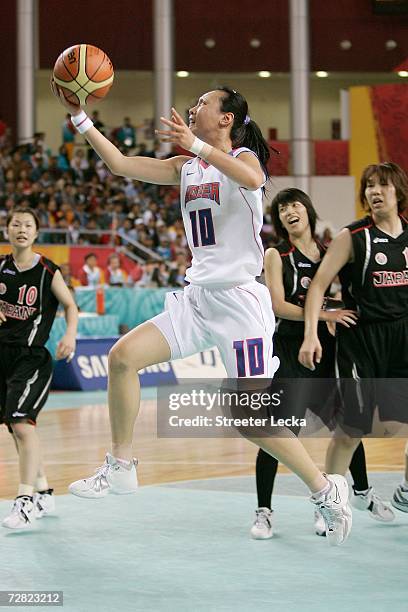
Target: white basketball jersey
223, 222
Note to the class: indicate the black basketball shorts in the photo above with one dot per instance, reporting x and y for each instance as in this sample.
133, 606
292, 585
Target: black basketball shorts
25, 378
372, 364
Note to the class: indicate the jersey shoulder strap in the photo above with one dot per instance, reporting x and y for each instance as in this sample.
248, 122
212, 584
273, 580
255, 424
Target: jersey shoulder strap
284, 248
360, 225
49, 265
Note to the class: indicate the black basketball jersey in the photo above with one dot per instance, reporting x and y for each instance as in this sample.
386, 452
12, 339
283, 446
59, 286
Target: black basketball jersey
27, 301
376, 282
297, 274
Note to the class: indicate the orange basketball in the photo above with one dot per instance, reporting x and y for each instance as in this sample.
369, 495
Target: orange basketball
84, 73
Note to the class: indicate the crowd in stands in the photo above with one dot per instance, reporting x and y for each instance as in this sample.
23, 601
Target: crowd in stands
74, 193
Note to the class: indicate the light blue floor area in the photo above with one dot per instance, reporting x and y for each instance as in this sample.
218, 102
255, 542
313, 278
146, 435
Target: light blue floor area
186, 547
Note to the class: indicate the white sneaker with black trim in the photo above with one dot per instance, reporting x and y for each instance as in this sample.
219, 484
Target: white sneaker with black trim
113, 476
22, 515
400, 499
373, 504
44, 503
319, 524
335, 510
262, 528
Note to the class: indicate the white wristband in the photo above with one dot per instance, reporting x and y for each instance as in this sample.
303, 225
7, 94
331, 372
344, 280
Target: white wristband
82, 122
197, 146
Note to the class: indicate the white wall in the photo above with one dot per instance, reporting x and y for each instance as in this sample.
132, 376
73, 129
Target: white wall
332, 196
132, 94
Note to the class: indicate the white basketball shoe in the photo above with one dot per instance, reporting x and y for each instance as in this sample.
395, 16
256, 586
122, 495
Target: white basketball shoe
319, 524
400, 498
22, 515
335, 510
44, 503
114, 476
373, 504
262, 528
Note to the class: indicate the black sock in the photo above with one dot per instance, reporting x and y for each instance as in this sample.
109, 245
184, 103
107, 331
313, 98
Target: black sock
266, 468
358, 469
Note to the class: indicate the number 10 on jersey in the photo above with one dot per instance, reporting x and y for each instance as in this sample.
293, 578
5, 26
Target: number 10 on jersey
202, 227
251, 352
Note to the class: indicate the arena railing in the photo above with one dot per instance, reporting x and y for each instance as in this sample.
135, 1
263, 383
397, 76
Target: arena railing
131, 248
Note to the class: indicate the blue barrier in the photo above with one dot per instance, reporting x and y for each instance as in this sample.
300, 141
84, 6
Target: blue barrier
89, 325
132, 305
88, 371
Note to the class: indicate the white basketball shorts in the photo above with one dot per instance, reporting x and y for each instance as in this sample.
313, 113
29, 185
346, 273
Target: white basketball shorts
239, 321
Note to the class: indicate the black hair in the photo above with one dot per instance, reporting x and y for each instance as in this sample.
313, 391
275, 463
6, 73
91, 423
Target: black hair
288, 196
245, 132
89, 255
23, 210
386, 171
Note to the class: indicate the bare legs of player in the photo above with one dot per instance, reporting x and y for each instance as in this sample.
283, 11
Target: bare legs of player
144, 346
291, 452
339, 453
41, 482
28, 446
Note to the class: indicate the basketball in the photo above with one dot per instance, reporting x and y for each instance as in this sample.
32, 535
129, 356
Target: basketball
84, 73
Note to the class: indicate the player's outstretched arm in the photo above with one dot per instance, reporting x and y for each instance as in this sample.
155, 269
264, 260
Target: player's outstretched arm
66, 346
244, 170
149, 170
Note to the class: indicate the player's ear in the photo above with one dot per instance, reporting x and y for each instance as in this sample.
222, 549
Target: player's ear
227, 119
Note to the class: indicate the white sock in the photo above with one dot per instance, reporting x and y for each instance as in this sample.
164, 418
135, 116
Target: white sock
41, 484
124, 463
24, 489
323, 491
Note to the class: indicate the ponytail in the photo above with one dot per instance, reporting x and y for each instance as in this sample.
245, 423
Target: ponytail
245, 132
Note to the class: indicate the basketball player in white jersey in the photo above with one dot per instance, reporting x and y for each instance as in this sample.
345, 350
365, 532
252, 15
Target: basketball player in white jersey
221, 200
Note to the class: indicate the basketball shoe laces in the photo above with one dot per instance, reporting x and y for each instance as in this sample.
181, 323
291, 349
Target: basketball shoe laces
18, 508
99, 479
330, 515
262, 519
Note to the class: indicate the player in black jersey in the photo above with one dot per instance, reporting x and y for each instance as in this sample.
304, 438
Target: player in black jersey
373, 254
289, 269
30, 288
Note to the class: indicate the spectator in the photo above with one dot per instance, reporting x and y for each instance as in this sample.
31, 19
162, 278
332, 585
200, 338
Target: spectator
79, 164
63, 159
127, 231
68, 135
147, 277
91, 154
91, 274
126, 134
135, 274
69, 279
115, 275
160, 275
164, 249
